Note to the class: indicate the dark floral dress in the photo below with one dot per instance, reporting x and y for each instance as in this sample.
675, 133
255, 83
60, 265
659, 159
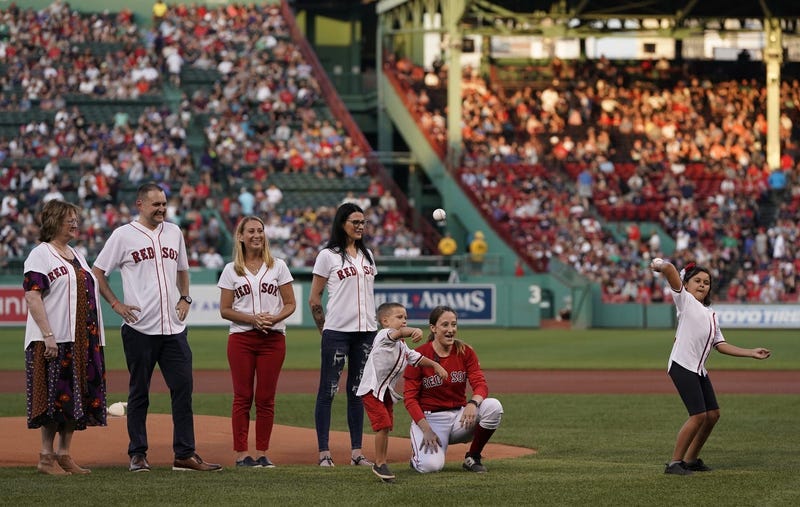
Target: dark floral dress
72, 387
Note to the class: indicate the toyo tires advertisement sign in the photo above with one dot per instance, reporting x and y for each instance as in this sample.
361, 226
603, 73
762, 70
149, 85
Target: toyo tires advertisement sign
758, 316
474, 303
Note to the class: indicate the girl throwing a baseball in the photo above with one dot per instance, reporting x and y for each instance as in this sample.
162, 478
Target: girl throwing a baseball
698, 332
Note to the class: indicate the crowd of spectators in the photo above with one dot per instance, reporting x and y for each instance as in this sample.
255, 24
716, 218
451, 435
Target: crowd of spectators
594, 141
642, 142
260, 114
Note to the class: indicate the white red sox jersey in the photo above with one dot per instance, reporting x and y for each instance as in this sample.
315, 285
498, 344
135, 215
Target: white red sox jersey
256, 293
385, 363
697, 334
149, 262
351, 300
61, 296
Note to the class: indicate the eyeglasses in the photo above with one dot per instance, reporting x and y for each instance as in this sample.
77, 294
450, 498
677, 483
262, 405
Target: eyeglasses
358, 223
73, 221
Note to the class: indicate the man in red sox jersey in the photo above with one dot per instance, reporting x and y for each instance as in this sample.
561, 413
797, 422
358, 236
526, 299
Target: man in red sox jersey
151, 257
439, 408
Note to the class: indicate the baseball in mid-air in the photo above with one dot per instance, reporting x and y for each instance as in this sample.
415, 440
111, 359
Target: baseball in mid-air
439, 214
657, 263
116, 409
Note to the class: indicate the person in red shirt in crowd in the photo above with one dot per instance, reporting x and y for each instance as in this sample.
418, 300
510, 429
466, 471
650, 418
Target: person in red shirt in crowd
259, 173
440, 410
296, 161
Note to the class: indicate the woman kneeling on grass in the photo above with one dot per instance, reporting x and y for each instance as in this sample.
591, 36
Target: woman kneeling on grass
698, 331
440, 410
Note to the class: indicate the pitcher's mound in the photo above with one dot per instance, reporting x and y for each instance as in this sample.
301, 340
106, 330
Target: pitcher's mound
108, 446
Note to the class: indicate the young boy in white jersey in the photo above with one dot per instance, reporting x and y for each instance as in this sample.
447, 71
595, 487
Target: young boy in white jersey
384, 366
698, 332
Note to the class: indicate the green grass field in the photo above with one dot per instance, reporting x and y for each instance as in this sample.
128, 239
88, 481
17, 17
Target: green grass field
592, 449
520, 349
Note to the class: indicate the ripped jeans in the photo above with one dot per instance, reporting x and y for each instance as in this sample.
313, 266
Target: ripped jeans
338, 347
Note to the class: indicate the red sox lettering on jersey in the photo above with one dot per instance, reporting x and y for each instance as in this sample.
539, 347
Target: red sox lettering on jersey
57, 272
150, 253
352, 271
456, 377
266, 288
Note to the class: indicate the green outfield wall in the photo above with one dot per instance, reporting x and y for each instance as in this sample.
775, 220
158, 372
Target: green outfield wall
516, 302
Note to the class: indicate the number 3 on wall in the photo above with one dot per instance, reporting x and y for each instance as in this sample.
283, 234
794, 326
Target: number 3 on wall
535, 294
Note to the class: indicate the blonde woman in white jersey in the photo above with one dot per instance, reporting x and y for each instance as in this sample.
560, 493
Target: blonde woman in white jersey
256, 295
346, 269
698, 332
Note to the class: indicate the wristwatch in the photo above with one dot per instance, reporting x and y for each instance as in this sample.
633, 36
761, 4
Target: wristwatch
188, 299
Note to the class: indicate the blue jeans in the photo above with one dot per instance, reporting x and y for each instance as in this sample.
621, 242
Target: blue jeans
337, 347
174, 357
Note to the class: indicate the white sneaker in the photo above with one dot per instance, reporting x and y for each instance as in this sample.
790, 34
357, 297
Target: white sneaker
361, 461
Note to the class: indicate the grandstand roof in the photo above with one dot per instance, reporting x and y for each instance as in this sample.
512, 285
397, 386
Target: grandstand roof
674, 18
709, 9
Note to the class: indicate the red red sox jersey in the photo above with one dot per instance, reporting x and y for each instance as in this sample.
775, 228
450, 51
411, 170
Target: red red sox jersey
259, 293
425, 391
149, 262
351, 299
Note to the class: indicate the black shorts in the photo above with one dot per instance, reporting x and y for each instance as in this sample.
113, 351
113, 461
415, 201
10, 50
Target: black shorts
696, 390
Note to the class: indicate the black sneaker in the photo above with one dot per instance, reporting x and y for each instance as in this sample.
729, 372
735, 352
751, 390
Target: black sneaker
383, 472
264, 462
139, 463
473, 464
246, 462
698, 466
678, 468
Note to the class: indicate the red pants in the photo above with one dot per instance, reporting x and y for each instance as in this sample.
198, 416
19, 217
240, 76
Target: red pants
254, 357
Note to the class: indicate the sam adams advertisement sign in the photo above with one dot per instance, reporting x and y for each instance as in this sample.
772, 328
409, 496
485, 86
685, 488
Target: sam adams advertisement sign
475, 304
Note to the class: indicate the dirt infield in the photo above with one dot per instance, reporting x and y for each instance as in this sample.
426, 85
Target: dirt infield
108, 446
297, 445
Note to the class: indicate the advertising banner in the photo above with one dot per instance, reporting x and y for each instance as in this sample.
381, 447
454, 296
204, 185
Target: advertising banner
475, 303
758, 316
204, 312
13, 309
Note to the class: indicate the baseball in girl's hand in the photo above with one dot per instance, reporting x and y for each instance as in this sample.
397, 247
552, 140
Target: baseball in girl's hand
656, 264
439, 214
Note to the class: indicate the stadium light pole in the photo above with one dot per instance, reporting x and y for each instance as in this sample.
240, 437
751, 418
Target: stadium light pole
773, 58
452, 12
